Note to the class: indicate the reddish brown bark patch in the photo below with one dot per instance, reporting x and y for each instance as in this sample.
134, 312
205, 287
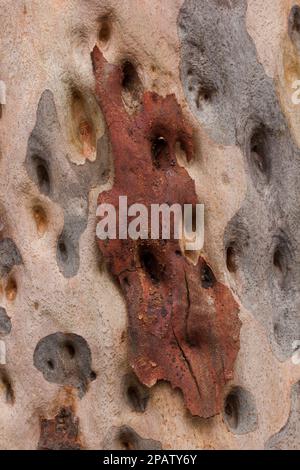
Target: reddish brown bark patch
183, 324
61, 432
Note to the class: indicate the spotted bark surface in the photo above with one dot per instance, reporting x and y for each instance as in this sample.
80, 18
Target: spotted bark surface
128, 345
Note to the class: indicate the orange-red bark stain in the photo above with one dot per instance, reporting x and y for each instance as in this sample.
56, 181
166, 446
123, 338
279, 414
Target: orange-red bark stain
181, 328
61, 432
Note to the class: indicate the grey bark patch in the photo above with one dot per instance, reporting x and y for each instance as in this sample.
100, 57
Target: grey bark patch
126, 438
224, 83
288, 438
67, 254
65, 183
9, 256
65, 359
240, 413
5, 322
233, 98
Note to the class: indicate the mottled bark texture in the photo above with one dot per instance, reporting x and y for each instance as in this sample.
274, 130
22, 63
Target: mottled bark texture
144, 344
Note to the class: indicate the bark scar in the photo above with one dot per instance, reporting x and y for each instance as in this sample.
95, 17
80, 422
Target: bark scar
178, 330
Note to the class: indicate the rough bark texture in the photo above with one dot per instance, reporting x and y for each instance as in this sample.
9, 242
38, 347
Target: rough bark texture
141, 344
